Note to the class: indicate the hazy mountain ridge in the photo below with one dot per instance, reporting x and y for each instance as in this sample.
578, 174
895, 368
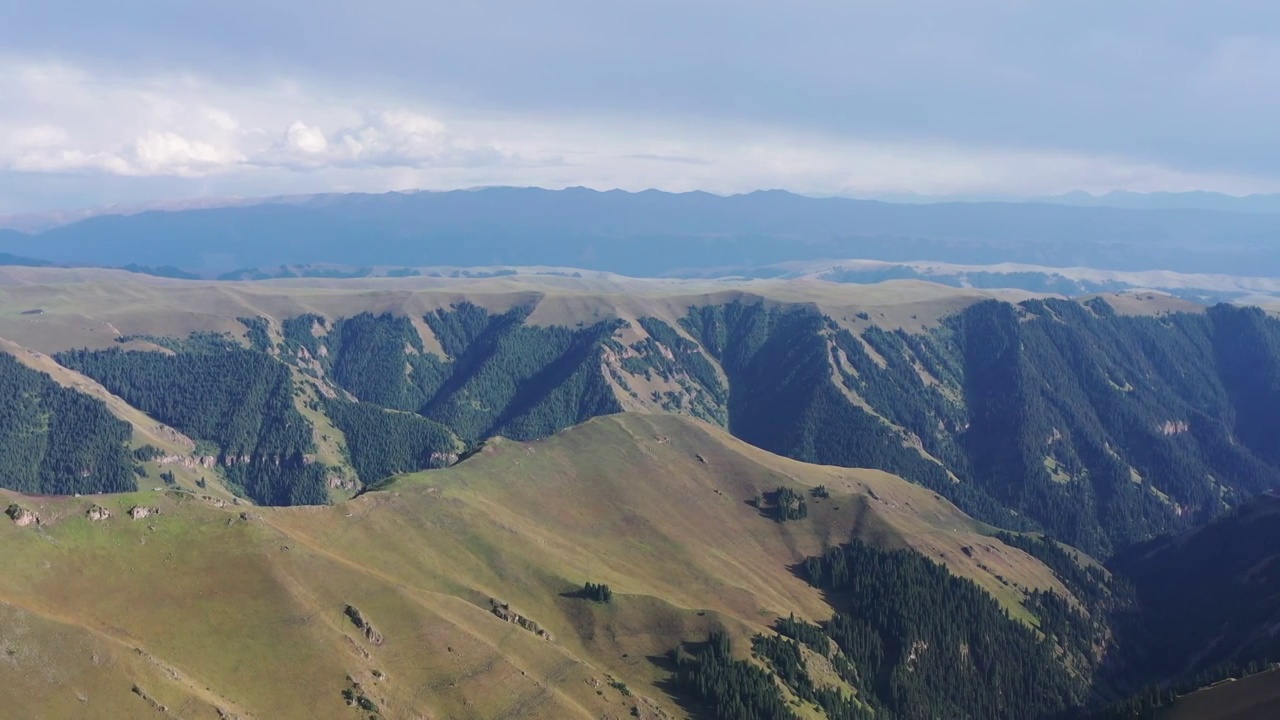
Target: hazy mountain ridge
653, 233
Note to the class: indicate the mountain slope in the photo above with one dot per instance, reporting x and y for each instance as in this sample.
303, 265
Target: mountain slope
1217, 586
1102, 422
654, 506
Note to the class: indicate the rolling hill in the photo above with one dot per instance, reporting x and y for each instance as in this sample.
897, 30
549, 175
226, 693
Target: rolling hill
1101, 421
716, 495
207, 609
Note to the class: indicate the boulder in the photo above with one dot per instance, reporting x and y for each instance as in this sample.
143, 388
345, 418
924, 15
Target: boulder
21, 516
98, 513
364, 625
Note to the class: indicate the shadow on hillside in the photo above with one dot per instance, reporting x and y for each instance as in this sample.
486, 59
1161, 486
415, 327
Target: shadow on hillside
833, 598
765, 508
683, 699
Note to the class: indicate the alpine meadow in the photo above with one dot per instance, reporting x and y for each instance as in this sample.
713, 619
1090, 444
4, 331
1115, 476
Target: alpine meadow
669, 361
612, 496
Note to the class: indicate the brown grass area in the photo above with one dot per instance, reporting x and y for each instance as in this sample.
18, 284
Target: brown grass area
247, 612
90, 308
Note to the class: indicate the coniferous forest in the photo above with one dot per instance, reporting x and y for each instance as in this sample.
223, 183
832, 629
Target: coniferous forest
1057, 416
54, 440
1062, 424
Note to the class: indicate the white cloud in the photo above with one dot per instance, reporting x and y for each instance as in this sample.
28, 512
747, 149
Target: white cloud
304, 139
274, 136
167, 152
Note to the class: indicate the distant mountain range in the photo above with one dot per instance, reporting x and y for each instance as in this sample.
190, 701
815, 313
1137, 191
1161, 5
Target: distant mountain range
654, 233
1193, 200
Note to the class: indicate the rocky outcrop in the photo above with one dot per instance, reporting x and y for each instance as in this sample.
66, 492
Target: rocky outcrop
442, 459
97, 513
21, 516
363, 625
337, 482
155, 705
216, 502
189, 462
138, 512
503, 611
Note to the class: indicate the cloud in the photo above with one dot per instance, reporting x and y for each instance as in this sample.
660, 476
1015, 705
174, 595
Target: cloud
65, 119
1174, 83
127, 137
396, 138
306, 140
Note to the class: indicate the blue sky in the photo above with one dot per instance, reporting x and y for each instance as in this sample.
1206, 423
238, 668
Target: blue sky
139, 99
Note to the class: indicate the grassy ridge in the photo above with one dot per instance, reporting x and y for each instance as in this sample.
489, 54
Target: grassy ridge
248, 611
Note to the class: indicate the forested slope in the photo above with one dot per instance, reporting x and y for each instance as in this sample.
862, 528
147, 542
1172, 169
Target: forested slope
54, 440
1098, 428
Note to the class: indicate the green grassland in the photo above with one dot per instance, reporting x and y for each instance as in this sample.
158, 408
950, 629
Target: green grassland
210, 607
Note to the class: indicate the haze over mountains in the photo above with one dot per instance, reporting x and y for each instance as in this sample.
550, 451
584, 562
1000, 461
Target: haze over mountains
417, 445
654, 233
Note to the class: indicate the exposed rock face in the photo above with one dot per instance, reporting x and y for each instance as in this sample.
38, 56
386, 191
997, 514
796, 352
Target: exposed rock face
335, 482
442, 459
189, 462
21, 516
364, 625
97, 513
504, 611
138, 512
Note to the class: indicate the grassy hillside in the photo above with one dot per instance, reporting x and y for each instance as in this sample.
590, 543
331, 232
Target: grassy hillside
1102, 422
210, 608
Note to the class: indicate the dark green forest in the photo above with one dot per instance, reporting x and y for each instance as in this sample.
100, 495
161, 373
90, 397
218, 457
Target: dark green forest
382, 442
54, 440
927, 644
238, 399
782, 399
912, 641
1098, 429
1101, 430
499, 375
401, 408
1060, 423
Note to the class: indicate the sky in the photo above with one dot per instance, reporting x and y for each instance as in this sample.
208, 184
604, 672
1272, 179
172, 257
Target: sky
137, 100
